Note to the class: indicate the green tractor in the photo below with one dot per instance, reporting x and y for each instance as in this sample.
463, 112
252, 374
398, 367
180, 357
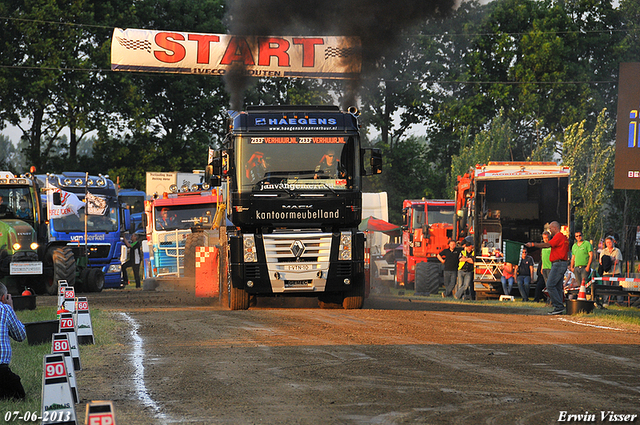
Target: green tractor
27, 257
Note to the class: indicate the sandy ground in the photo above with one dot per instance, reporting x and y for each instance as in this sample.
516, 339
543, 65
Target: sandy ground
397, 361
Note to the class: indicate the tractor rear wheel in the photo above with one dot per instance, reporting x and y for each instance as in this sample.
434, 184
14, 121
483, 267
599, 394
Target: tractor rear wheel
64, 268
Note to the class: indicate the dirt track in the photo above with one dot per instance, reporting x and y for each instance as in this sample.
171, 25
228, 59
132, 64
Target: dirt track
396, 361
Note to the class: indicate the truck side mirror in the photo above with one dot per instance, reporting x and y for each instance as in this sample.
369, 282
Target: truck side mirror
376, 161
210, 175
374, 157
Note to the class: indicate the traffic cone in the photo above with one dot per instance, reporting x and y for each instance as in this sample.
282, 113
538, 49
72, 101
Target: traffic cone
582, 294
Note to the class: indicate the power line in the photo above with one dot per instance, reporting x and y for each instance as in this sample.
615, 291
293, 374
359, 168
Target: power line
471, 82
39, 21
480, 34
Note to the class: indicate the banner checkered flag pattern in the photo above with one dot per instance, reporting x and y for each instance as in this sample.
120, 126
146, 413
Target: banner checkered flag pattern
338, 52
135, 44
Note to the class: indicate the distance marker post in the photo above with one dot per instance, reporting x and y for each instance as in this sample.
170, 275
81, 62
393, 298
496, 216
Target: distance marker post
62, 285
70, 299
100, 413
67, 325
57, 400
60, 345
83, 322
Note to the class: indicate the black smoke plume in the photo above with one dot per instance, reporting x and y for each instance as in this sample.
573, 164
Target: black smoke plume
378, 23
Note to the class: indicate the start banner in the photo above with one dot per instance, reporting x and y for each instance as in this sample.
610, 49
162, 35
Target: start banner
215, 54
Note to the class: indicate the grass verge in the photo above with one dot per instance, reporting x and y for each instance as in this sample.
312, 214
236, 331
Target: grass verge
610, 316
27, 360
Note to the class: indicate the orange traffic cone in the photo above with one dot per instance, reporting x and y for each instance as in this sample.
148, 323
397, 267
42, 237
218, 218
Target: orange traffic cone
582, 294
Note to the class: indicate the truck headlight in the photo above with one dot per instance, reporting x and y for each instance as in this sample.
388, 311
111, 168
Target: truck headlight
115, 268
249, 243
344, 251
16, 246
33, 246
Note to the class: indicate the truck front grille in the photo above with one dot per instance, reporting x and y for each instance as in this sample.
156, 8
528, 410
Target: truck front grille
317, 247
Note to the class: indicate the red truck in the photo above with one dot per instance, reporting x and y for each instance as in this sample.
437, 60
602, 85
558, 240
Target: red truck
426, 230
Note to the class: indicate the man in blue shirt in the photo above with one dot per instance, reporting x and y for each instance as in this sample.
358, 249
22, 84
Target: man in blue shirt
10, 326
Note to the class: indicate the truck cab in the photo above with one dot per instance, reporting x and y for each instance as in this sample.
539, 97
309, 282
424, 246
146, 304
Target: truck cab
92, 229
169, 223
426, 230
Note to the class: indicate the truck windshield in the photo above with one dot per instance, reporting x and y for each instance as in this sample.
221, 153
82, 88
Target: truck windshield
435, 214
16, 203
105, 222
440, 213
313, 162
135, 203
183, 217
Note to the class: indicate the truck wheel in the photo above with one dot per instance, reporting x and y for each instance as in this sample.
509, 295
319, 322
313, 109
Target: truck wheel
95, 280
354, 298
434, 278
421, 278
64, 268
193, 240
238, 299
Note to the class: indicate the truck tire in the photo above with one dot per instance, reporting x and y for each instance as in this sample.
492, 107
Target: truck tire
238, 299
427, 278
435, 279
95, 280
64, 268
193, 240
354, 298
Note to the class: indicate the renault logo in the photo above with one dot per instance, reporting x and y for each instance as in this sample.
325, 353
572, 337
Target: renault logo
297, 249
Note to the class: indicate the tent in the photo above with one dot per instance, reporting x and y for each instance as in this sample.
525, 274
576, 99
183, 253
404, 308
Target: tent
372, 224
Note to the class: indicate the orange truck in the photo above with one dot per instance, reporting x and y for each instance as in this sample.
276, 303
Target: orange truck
426, 230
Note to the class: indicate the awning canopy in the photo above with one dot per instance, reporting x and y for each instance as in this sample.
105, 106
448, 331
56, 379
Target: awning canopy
372, 224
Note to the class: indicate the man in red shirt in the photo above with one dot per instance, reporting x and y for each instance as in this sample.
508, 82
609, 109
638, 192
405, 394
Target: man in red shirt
559, 245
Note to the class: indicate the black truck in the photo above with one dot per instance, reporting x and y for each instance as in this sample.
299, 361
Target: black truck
294, 195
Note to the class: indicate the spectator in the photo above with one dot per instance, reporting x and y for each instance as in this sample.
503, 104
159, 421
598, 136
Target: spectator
614, 262
465, 270
581, 258
135, 258
10, 326
545, 268
524, 273
559, 245
449, 257
613, 234
507, 278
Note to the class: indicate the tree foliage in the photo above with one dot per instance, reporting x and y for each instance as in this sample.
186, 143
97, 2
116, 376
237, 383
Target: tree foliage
591, 154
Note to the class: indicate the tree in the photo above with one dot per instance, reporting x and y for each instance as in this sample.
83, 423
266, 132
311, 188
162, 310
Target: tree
591, 154
409, 173
53, 69
10, 158
493, 144
539, 61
